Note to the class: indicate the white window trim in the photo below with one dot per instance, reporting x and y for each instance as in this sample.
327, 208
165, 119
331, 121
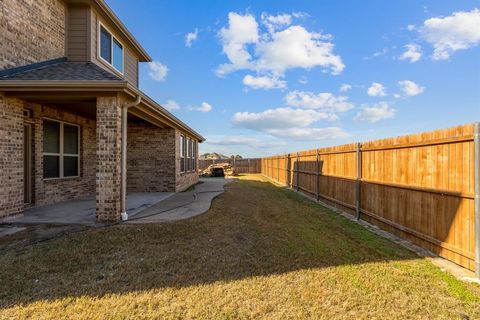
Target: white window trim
99, 48
62, 154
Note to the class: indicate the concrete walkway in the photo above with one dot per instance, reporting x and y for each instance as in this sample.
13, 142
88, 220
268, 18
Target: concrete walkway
183, 205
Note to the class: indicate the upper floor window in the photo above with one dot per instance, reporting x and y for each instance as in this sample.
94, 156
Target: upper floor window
111, 50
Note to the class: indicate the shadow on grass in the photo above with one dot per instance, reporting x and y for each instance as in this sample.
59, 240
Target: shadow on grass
254, 229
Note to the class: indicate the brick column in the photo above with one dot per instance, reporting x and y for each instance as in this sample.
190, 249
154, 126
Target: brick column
11, 156
108, 177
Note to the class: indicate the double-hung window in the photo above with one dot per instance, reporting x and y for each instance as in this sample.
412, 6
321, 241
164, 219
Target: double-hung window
194, 155
182, 153
61, 154
111, 50
189, 155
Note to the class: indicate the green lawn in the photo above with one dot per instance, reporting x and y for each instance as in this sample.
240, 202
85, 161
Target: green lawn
260, 252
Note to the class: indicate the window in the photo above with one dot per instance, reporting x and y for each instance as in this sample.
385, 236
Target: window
194, 155
60, 149
111, 50
189, 155
182, 153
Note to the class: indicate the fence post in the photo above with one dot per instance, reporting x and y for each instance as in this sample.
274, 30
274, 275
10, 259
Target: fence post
476, 141
318, 176
287, 169
358, 181
296, 170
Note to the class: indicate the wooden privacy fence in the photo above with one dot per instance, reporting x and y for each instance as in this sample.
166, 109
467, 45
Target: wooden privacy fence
420, 186
252, 165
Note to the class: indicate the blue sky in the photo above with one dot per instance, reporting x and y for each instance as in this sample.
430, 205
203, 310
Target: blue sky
265, 77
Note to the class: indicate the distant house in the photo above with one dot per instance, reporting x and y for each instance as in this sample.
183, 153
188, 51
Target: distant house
73, 122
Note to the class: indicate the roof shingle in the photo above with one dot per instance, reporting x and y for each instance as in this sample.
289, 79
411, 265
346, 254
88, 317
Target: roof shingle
64, 71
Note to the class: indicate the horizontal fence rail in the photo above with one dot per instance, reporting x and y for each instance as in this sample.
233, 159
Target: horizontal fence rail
420, 187
251, 165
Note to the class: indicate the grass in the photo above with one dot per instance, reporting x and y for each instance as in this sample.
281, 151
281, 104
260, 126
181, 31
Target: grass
260, 252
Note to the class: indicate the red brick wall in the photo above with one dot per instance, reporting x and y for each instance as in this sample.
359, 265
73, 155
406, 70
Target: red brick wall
150, 158
31, 31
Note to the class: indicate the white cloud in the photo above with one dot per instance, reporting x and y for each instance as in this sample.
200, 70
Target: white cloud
375, 113
283, 47
411, 27
264, 82
242, 30
413, 53
323, 100
300, 15
310, 133
205, 107
157, 71
410, 88
376, 90
171, 105
280, 118
243, 141
191, 37
295, 47
345, 87
376, 54
275, 22
459, 31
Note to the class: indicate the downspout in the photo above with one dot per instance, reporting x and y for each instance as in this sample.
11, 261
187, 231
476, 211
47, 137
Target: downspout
123, 189
476, 142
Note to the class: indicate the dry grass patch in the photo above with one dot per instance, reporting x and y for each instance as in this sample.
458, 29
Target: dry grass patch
260, 252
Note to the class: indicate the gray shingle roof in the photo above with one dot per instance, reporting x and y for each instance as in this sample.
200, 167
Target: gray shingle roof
62, 71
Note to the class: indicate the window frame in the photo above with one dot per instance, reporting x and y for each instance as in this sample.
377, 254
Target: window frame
189, 155
61, 154
194, 155
182, 153
99, 48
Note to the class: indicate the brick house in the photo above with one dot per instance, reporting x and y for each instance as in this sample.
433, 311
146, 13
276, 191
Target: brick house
73, 122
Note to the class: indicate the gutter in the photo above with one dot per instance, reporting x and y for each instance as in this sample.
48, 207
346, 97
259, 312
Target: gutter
123, 189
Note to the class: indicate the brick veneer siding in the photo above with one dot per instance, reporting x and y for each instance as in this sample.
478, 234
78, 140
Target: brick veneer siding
48, 191
108, 173
11, 156
183, 180
31, 31
150, 158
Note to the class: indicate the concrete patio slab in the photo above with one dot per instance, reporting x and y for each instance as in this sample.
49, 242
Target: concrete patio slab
183, 205
83, 211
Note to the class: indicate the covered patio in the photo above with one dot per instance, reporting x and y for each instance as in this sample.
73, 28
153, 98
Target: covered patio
82, 211
89, 138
